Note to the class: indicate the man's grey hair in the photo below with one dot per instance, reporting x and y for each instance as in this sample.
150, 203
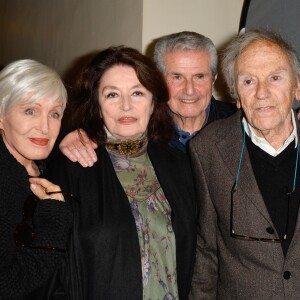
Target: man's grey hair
240, 43
28, 81
185, 40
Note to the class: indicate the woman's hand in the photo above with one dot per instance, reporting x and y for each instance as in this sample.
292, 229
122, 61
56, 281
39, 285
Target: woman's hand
41, 187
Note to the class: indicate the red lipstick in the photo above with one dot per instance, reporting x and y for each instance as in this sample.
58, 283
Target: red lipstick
39, 141
126, 120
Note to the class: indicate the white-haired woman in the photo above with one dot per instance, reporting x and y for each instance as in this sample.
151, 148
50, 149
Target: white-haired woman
33, 227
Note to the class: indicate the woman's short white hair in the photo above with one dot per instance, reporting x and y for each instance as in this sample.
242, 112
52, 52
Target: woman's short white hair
28, 81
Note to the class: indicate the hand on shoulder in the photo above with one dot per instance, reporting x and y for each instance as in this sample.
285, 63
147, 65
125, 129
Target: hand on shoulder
77, 147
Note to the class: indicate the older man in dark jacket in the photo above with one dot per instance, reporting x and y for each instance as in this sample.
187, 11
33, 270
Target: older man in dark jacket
246, 170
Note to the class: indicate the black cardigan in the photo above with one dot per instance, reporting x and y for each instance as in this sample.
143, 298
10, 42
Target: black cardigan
23, 270
104, 258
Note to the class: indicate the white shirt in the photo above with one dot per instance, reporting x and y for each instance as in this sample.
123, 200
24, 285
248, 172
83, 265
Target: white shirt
263, 144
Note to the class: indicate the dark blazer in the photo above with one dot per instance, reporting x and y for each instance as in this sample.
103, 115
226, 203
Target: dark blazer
228, 268
220, 110
104, 258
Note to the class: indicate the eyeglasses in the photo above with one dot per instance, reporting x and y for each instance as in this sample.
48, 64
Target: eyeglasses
252, 238
233, 191
24, 233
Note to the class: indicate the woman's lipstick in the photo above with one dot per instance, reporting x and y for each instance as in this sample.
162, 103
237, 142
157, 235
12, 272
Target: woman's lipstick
39, 141
126, 120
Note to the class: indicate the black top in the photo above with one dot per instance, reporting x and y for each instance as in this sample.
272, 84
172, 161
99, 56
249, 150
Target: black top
104, 259
22, 270
275, 176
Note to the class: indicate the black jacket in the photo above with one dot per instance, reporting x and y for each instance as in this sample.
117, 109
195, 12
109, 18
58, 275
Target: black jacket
23, 270
220, 110
104, 258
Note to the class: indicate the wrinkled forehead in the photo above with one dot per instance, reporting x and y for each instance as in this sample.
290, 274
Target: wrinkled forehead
263, 55
262, 49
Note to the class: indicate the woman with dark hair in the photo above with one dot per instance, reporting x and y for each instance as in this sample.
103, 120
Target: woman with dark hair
134, 229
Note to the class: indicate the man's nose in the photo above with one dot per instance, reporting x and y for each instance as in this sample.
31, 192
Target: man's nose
189, 87
262, 90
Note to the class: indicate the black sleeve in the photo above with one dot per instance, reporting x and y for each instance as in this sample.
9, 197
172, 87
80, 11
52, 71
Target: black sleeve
22, 270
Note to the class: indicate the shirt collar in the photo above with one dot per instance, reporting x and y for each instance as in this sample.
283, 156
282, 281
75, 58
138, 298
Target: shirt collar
266, 146
184, 136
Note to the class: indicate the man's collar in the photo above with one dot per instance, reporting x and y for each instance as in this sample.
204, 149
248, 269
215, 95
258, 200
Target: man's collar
264, 144
207, 110
184, 136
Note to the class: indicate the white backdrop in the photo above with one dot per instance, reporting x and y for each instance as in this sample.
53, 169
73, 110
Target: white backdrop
62, 33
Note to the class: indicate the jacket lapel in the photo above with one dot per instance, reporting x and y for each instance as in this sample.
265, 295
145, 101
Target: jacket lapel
231, 153
170, 184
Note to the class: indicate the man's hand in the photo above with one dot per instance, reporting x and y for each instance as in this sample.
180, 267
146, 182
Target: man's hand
79, 148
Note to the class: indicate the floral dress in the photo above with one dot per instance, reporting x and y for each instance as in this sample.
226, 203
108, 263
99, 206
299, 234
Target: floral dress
152, 214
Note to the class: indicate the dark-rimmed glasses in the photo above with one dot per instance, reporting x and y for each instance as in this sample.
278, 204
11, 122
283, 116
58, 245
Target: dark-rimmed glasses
234, 189
252, 238
24, 233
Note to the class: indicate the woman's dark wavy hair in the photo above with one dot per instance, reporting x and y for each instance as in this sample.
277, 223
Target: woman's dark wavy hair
85, 103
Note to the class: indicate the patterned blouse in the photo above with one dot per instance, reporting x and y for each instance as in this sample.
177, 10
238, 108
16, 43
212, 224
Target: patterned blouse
152, 214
